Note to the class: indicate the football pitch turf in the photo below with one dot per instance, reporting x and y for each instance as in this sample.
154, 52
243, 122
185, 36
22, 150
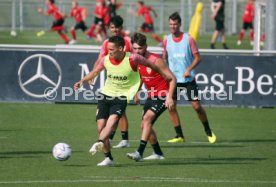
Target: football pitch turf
52, 38
244, 155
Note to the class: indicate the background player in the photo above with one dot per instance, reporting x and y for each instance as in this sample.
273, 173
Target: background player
80, 15
148, 25
59, 20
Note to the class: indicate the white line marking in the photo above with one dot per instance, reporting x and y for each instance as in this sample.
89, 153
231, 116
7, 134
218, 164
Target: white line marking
139, 179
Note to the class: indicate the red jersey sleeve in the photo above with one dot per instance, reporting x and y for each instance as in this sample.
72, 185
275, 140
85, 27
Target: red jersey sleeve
136, 59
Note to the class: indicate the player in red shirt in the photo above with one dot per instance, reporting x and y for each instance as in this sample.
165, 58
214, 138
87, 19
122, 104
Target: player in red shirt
160, 94
79, 13
99, 14
59, 20
148, 25
248, 18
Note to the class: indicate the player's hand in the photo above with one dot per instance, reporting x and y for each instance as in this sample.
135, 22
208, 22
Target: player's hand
169, 103
39, 10
91, 82
187, 73
136, 99
77, 85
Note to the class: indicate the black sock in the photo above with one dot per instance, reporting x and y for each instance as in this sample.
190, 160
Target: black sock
212, 46
111, 136
142, 147
124, 135
178, 131
100, 141
207, 128
157, 149
225, 46
108, 154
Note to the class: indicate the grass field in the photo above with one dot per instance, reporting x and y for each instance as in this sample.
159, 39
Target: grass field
51, 38
245, 154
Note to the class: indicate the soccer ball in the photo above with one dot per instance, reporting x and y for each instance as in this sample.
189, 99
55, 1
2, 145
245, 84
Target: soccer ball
62, 151
13, 33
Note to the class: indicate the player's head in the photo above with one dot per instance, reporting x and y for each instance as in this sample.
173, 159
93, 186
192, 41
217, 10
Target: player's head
116, 46
139, 43
116, 25
74, 3
50, 1
174, 22
140, 3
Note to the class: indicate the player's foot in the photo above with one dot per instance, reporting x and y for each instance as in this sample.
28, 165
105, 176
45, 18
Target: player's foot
96, 147
154, 156
72, 42
106, 162
261, 43
212, 138
40, 33
99, 38
225, 46
134, 156
212, 46
251, 43
239, 42
176, 140
122, 144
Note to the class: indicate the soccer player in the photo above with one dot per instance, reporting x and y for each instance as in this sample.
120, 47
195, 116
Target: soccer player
59, 20
248, 18
80, 14
122, 83
148, 25
160, 96
182, 55
113, 6
217, 8
116, 27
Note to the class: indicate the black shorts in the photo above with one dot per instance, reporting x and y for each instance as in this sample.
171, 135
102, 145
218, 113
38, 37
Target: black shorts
57, 23
147, 27
110, 105
219, 24
188, 91
81, 25
247, 25
156, 105
98, 21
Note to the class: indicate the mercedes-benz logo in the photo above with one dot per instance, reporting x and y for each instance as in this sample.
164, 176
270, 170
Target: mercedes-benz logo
39, 75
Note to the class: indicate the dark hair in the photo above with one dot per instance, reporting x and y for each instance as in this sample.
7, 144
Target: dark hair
141, 2
117, 21
175, 16
52, 1
139, 38
117, 40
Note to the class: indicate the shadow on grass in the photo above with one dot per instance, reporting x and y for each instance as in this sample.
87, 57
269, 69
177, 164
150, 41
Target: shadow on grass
195, 161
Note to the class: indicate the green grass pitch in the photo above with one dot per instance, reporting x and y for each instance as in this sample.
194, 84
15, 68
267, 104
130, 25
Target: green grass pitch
245, 154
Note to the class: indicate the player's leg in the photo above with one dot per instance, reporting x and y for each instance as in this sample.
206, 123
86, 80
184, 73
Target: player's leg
123, 125
73, 34
175, 119
58, 26
241, 34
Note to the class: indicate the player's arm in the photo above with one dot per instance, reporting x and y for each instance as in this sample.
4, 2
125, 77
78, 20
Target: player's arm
91, 75
215, 8
154, 12
172, 81
41, 11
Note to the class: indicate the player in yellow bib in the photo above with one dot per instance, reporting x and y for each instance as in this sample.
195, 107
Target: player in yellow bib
121, 85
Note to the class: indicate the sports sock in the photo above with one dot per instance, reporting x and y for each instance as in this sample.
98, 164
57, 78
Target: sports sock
212, 46
251, 35
157, 149
241, 35
178, 131
64, 37
73, 33
124, 135
142, 147
157, 38
207, 128
111, 136
108, 154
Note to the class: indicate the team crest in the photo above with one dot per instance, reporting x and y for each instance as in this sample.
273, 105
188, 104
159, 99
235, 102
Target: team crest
148, 70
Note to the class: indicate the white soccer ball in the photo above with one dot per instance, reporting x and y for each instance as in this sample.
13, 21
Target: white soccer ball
13, 33
62, 151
